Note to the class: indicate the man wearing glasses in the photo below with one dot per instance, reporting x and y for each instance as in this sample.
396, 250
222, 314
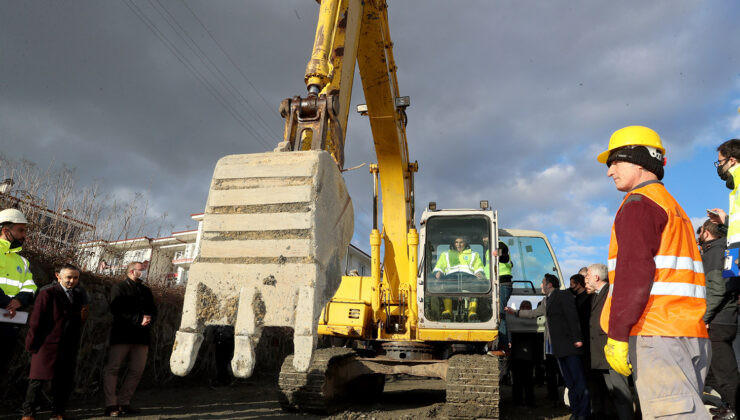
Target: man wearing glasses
728, 156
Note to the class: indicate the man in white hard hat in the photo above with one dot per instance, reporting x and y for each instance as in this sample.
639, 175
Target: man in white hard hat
16, 283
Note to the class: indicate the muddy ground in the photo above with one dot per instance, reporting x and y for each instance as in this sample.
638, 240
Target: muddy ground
404, 398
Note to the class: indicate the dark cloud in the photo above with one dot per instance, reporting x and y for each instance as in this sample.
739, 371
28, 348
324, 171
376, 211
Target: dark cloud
500, 91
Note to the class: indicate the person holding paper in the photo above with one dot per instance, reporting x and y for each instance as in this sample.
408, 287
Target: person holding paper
16, 281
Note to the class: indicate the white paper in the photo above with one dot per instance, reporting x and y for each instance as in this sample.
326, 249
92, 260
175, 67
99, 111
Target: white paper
20, 317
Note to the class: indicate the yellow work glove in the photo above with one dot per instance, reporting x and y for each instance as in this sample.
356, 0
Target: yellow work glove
616, 353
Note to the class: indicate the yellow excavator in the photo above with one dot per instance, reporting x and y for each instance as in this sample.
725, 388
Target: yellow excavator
276, 227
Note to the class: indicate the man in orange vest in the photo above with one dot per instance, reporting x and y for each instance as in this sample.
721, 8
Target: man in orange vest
653, 314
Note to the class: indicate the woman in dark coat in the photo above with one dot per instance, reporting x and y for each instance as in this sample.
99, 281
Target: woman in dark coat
53, 339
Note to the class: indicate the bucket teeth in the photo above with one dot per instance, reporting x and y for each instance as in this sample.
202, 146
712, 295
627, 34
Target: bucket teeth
274, 233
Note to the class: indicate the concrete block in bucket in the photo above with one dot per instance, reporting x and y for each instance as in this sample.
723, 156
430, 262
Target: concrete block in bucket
275, 231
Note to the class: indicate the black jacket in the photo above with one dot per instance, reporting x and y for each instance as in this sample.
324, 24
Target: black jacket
562, 324
565, 327
526, 346
583, 307
597, 336
4, 299
129, 302
721, 305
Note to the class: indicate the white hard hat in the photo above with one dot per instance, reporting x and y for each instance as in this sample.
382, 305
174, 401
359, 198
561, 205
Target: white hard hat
12, 216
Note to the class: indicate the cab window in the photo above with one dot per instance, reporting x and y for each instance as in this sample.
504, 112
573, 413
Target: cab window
457, 269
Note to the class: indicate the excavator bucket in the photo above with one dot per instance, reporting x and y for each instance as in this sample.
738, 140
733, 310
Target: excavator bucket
274, 234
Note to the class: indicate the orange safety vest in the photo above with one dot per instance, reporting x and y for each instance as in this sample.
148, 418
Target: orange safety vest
677, 297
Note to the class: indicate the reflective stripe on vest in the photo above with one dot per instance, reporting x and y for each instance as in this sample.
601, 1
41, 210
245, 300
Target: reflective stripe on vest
734, 218
14, 271
10, 282
677, 299
679, 289
12, 287
669, 262
460, 268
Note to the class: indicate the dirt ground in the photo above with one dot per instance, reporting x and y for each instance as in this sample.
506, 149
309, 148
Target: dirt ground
404, 398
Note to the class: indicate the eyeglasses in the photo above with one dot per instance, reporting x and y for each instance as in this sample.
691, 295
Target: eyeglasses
719, 163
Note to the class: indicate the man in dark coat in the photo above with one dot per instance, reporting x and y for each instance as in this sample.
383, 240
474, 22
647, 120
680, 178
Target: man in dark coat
583, 307
721, 319
53, 339
526, 350
597, 285
132, 305
564, 340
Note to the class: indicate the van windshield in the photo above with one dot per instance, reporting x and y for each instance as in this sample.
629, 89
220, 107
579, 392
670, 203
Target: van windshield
532, 260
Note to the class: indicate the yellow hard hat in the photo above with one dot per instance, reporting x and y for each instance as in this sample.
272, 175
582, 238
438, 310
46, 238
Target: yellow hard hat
634, 135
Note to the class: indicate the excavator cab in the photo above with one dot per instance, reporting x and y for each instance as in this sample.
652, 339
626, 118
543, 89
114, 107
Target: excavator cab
457, 287
457, 280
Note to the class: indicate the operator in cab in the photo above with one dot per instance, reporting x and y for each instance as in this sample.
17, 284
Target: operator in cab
459, 259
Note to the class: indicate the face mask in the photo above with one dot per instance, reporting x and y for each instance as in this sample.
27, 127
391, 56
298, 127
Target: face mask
143, 274
725, 176
14, 243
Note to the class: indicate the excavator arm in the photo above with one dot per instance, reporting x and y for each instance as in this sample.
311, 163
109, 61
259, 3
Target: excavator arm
352, 31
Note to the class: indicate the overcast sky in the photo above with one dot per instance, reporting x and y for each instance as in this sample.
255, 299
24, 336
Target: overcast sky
511, 101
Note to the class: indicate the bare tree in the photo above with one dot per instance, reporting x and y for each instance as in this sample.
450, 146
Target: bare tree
62, 214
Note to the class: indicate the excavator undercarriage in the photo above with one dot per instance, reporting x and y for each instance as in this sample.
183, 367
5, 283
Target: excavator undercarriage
339, 376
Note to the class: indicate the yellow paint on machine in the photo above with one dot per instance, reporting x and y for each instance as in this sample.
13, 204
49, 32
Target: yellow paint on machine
350, 311
345, 319
355, 288
456, 335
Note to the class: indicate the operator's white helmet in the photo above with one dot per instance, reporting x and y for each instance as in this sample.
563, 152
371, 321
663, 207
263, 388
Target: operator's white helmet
12, 216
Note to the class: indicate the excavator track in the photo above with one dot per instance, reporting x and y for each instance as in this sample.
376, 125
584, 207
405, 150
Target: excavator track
473, 387
318, 390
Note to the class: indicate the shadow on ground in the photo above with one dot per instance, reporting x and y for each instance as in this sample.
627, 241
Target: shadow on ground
405, 398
